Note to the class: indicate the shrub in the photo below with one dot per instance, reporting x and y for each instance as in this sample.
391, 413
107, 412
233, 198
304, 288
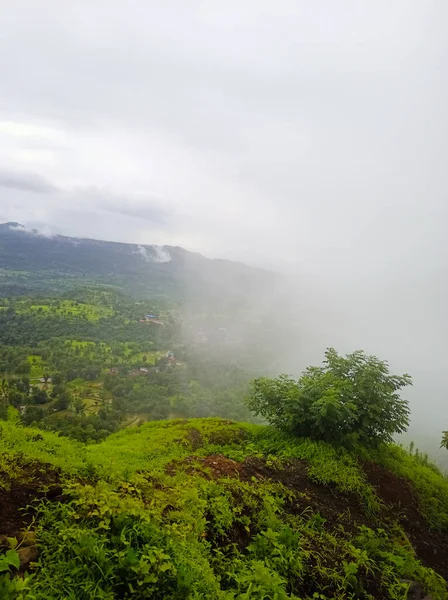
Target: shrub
348, 400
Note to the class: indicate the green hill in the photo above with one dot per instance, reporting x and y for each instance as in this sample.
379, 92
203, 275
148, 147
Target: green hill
30, 263
212, 509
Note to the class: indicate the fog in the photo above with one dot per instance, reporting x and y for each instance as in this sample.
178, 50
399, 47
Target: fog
305, 137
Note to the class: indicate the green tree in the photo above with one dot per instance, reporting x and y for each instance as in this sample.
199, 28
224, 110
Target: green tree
444, 443
78, 405
39, 396
33, 414
63, 401
57, 379
349, 399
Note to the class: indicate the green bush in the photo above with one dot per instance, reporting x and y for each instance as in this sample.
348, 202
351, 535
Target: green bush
349, 399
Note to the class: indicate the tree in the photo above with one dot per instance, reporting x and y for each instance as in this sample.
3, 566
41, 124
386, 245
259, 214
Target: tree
78, 405
444, 443
62, 401
32, 414
39, 396
349, 399
57, 378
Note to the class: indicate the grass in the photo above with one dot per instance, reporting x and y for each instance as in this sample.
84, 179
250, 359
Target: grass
66, 308
145, 519
37, 366
431, 487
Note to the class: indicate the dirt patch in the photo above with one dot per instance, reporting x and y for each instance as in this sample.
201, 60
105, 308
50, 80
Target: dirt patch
195, 438
334, 507
215, 466
16, 502
227, 436
399, 496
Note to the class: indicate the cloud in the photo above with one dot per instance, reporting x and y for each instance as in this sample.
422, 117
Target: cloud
307, 136
158, 254
162, 254
29, 130
22, 180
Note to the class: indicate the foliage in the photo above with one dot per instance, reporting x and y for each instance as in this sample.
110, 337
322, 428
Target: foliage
430, 486
444, 442
83, 364
138, 521
350, 399
8, 560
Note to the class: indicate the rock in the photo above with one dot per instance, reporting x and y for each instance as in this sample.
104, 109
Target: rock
27, 555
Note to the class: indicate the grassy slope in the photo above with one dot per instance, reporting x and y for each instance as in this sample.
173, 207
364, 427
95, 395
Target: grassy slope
213, 509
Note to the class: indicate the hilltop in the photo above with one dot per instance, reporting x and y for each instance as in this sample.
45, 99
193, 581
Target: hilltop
210, 508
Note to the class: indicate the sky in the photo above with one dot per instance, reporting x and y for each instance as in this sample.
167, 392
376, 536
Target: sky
310, 137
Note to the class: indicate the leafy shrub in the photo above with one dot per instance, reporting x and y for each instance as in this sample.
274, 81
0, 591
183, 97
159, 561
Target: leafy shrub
349, 399
444, 443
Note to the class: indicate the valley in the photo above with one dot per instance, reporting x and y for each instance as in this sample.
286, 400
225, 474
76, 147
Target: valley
149, 448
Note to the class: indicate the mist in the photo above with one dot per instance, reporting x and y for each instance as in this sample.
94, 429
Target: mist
305, 138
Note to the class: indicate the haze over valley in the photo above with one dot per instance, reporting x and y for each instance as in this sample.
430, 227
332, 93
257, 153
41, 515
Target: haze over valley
223, 300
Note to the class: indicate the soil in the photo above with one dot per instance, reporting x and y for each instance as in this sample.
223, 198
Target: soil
227, 436
36, 482
401, 500
195, 438
336, 508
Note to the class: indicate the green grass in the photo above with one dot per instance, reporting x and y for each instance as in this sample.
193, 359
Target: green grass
431, 487
66, 308
37, 365
145, 519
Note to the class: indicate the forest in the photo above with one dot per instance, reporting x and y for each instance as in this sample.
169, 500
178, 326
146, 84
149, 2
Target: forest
87, 363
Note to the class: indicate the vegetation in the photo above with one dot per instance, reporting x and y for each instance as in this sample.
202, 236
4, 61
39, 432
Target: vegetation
116, 482
351, 399
208, 509
444, 443
85, 364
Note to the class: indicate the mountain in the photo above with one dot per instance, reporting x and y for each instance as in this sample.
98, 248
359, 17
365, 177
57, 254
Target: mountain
31, 260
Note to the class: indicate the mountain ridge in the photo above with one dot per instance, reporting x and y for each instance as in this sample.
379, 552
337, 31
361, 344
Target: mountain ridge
56, 261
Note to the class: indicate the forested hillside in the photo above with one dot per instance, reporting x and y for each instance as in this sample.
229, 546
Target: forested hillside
30, 261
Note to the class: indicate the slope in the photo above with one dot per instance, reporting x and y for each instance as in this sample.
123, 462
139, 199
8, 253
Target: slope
216, 509
29, 260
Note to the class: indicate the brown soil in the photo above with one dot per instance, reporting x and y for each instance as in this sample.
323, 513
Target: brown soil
195, 438
400, 498
333, 506
227, 436
336, 508
36, 482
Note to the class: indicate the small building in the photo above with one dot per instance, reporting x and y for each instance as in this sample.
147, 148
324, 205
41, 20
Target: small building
151, 319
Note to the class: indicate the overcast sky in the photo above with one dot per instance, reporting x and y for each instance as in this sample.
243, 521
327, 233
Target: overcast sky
308, 135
